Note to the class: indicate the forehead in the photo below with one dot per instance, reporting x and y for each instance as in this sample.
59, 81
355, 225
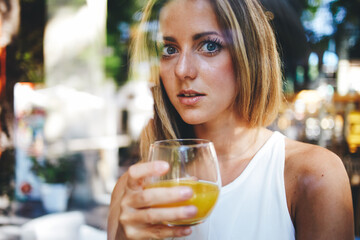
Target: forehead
192, 15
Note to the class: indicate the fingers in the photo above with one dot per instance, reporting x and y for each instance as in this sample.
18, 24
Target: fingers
137, 219
158, 232
140, 171
145, 223
157, 196
153, 216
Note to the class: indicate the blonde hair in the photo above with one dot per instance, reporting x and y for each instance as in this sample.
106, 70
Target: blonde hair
255, 60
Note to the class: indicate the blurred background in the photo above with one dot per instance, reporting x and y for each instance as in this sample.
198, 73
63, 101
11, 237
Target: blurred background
71, 115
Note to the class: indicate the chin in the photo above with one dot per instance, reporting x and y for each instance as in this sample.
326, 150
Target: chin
192, 120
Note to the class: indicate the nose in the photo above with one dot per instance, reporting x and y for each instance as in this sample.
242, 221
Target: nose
185, 68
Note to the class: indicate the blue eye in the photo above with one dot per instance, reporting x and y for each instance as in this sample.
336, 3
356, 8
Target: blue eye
169, 50
211, 46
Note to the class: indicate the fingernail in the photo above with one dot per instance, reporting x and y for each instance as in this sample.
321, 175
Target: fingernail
190, 211
186, 231
186, 192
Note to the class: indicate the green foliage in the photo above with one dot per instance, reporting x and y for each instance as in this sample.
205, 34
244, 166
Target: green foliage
312, 6
119, 22
27, 63
61, 170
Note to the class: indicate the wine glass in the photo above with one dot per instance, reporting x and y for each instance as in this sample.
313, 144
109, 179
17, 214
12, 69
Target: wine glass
193, 163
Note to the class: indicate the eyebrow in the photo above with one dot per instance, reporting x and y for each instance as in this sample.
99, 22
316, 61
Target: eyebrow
203, 34
195, 37
170, 39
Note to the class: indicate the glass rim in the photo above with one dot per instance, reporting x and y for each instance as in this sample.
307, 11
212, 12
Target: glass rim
192, 142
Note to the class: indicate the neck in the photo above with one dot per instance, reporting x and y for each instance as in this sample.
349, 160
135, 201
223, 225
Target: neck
235, 144
233, 141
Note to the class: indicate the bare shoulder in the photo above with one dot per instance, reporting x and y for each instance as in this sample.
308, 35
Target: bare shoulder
313, 168
304, 158
318, 192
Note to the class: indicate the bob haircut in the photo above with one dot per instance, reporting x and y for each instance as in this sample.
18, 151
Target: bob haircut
252, 44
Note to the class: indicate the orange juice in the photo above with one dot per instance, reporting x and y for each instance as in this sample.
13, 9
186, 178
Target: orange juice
204, 198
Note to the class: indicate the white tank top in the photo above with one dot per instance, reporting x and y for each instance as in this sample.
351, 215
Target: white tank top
253, 206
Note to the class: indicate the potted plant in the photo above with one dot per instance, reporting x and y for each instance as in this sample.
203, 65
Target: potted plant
56, 175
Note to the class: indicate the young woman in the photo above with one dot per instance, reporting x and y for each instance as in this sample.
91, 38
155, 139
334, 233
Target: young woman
216, 75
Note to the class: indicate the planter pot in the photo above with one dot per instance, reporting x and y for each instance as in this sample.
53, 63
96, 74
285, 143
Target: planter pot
54, 197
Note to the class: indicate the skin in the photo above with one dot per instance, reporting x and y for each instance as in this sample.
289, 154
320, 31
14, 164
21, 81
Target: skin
318, 193
317, 188
193, 60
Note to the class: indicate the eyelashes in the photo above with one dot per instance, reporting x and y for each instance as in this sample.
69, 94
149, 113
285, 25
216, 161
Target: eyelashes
208, 47
168, 50
211, 46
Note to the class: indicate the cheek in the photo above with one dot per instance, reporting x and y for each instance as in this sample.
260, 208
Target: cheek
170, 88
166, 72
224, 77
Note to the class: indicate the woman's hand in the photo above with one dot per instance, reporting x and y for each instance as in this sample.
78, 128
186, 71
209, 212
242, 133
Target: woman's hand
131, 215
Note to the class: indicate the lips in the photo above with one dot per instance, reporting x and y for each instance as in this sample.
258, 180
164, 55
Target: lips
190, 97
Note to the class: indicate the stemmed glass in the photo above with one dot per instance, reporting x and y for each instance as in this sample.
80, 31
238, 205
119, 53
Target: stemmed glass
193, 163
